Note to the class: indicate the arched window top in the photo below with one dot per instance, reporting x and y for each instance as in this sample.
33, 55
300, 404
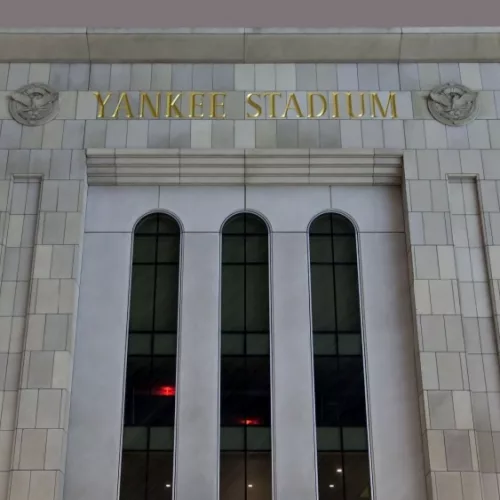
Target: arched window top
245, 223
332, 224
157, 223
245, 374
339, 391
149, 415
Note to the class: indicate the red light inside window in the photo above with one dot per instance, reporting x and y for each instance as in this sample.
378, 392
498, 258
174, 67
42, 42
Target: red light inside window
164, 390
250, 421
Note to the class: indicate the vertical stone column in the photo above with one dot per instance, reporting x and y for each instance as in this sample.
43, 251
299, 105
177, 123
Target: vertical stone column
486, 411
96, 427
197, 445
4, 211
20, 201
38, 302
294, 449
457, 351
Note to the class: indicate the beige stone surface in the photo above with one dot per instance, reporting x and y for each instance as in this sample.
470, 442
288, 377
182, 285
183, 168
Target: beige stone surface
36, 299
450, 178
445, 47
248, 46
171, 48
322, 48
43, 47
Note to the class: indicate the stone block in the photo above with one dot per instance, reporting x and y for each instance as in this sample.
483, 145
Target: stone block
140, 77
79, 76
59, 76
39, 73
441, 410
306, 78
120, 77
73, 134
244, 77
428, 74
161, 77
458, 452
18, 75
223, 77
33, 449
265, 77
182, 77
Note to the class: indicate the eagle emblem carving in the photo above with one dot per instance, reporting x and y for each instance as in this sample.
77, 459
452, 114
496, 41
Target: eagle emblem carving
34, 104
453, 104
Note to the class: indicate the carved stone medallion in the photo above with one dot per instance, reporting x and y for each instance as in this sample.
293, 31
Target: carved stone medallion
453, 104
34, 104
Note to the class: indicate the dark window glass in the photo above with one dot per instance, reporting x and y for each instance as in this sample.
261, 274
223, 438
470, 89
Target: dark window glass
341, 433
148, 434
245, 443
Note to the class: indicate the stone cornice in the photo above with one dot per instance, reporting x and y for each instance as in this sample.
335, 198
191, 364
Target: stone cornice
252, 46
122, 167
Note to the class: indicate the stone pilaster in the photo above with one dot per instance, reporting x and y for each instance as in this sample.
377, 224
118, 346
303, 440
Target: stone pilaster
449, 208
38, 302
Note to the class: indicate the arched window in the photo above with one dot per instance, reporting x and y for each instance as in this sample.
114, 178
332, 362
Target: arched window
341, 430
245, 439
148, 434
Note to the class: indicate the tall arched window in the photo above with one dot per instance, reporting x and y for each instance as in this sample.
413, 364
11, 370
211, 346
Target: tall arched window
341, 430
148, 434
245, 439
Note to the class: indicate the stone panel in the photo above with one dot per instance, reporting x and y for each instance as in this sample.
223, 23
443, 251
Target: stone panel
37, 292
453, 228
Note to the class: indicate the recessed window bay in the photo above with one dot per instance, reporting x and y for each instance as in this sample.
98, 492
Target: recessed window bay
245, 405
150, 386
339, 388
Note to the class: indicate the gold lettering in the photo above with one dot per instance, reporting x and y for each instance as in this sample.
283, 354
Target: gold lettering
145, 99
101, 103
128, 110
375, 102
335, 105
292, 99
195, 104
310, 105
214, 105
318, 104
272, 102
172, 105
254, 105
349, 105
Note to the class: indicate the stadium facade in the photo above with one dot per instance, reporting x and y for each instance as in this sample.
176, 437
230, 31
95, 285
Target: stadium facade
250, 264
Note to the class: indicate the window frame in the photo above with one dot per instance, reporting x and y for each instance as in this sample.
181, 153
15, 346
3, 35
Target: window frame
245, 452
347, 219
178, 262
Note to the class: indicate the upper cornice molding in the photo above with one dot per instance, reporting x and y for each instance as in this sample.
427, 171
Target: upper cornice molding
250, 45
133, 167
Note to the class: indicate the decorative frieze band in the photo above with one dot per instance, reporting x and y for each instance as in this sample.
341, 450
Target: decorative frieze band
243, 166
